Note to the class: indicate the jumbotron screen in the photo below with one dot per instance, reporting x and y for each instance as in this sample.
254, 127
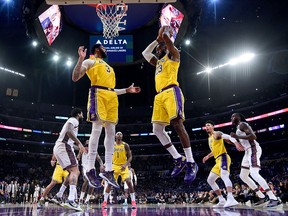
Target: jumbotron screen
119, 49
51, 23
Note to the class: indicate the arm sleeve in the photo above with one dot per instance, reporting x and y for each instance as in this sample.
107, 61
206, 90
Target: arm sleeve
120, 91
147, 53
87, 63
228, 137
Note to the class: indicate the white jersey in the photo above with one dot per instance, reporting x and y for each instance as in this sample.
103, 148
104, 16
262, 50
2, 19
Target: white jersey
246, 143
63, 137
84, 160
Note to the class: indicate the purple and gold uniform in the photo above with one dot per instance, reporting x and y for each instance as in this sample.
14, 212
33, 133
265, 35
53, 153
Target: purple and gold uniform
119, 159
169, 101
59, 174
219, 152
102, 100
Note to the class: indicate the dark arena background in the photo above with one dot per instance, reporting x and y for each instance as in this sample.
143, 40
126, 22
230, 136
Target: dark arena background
234, 59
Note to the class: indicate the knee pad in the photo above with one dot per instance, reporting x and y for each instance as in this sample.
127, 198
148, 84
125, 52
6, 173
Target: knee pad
212, 181
225, 177
161, 134
110, 130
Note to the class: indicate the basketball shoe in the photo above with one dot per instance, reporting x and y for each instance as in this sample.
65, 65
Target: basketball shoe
92, 178
191, 172
180, 163
109, 177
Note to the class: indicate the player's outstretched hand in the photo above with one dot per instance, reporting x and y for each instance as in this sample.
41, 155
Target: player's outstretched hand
82, 149
239, 147
52, 162
82, 52
205, 159
132, 89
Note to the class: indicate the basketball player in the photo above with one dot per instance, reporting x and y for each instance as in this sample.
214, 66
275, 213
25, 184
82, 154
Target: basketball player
102, 107
105, 185
57, 178
168, 105
84, 160
251, 160
122, 157
133, 178
222, 167
64, 153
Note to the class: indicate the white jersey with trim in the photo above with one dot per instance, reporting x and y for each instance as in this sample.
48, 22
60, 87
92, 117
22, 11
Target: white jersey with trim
63, 137
245, 143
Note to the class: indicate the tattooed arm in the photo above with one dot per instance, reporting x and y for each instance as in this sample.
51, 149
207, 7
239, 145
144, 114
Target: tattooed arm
79, 71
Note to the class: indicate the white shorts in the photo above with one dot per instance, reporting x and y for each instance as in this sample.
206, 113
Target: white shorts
65, 155
252, 157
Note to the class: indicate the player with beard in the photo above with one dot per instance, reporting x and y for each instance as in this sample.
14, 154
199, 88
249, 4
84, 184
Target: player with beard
65, 155
168, 105
102, 108
122, 157
251, 161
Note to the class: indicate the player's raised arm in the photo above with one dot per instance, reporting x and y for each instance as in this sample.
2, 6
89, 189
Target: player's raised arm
166, 32
79, 70
147, 53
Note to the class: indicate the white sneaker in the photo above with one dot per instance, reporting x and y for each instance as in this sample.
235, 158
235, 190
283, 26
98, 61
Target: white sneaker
220, 204
72, 205
230, 202
248, 203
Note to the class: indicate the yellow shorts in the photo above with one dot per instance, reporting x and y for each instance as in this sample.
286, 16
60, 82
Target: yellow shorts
222, 162
118, 172
168, 105
59, 174
102, 105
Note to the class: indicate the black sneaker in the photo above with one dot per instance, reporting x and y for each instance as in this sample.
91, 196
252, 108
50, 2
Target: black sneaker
273, 203
92, 178
57, 200
72, 205
109, 177
261, 202
180, 163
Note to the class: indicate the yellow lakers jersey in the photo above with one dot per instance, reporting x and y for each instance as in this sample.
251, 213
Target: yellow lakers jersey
119, 156
101, 74
166, 73
217, 146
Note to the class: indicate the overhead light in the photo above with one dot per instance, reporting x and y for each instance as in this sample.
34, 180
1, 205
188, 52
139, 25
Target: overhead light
247, 57
187, 42
208, 70
34, 43
68, 63
234, 61
56, 58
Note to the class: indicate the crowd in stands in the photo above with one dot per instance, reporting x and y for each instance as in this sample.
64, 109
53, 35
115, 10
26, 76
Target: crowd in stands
25, 163
24, 176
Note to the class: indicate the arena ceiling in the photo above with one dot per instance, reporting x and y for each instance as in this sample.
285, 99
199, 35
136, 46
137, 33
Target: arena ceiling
218, 30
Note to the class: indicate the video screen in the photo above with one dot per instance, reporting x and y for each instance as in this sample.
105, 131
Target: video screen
171, 16
51, 23
119, 49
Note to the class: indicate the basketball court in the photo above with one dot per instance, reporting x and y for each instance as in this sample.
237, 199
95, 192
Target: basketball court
115, 19
147, 210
